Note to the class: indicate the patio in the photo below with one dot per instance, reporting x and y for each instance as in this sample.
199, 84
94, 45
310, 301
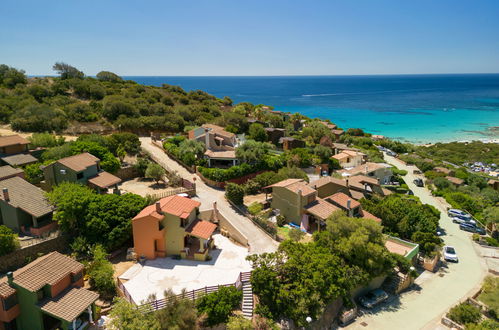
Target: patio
158, 275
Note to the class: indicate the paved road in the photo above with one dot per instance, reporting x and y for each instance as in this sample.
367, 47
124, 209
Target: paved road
423, 308
259, 241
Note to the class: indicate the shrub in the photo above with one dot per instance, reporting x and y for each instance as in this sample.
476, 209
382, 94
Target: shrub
296, 234
8, 240
155, 172
239, 323
465, 313
281, 220
255, 208
476, 237
101, 273
266, 225
141, 166
235, 193
218, 306
492, 241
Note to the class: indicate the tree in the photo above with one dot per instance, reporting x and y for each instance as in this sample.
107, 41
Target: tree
45, 140
324, 153
10, 77
125, 315
33, 173
218, 306
121, 153
39, 118
253, 151
257, 132
116, 106
296, 234
465, 313
108, 76
491, 215
180, 314
8, 240
190, 151
155, 171
235, 193
101, 273
67, 71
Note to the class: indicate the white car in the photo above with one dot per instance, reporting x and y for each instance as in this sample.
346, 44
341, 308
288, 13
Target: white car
450, 254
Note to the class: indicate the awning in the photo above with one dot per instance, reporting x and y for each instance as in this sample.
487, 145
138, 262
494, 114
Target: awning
201, 229
104, 180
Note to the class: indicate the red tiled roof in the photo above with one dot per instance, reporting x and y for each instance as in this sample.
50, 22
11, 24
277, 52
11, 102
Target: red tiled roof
79, 162
201, 228
454, 180
295, 185
104, 180
368, 215
5, 289
328, 179
321, 208
69, 304
177, 205
342, 200
11, 140
356, 194
48, 269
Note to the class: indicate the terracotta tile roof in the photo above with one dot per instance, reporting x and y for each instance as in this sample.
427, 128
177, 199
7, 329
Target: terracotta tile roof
104, 180
342, 199
11, 140
295, 185
19, 159
8, 171
321, 208
337, 131
219, 130
177, 205
367, 215
201, 229
5, 289
79, 162
340, 156
231, 154
442, 170
69, 304
328, 179
25, 196
356, 194
48, 269
361, 169
492, 181
454, 180
363, 179
386, 192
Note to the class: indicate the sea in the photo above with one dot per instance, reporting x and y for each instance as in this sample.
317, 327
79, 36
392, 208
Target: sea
414, 108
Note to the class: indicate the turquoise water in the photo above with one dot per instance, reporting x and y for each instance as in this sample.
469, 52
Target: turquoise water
415, 108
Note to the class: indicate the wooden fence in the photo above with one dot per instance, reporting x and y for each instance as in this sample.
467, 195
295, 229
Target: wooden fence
175, 191
191, 295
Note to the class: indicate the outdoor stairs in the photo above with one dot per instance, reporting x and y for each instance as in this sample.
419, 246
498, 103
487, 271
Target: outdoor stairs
247, 305
393, 282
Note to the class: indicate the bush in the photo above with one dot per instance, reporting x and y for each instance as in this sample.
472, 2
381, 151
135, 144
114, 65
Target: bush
476, 237
465, 313
141, 166
281, 220
33, 174
492, 241
235, 193
296, 234
255, 208
45, 140
101, 273
218, 306
239, 323
8, 240
266, 225
155, 171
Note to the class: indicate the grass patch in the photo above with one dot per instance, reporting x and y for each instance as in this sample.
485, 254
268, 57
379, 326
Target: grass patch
283, 232
490, 293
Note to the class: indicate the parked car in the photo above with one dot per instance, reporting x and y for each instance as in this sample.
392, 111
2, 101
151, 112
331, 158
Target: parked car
458, 213
372, 298
472, 228
450, 254
461, 220
417, 172
391, 153
419, 182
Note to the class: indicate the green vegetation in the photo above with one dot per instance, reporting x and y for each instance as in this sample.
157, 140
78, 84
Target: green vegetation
459, 153
490, 294
218, 306
125, 315
465, 313
300, 279
239, 323
155, 171
100, 271
190, 152
234, 193
8, 240
96, 219
179, 315
255, 208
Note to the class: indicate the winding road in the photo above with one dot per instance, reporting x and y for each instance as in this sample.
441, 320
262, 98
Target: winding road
423, 308
258, 240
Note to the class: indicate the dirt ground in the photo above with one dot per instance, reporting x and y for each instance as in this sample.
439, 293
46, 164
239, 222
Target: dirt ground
143, 187
120, 264
249, 199
6, 130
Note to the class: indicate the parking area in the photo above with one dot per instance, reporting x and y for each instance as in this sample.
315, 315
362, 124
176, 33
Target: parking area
155, 276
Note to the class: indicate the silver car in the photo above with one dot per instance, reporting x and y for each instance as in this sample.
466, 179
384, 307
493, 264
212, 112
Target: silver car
450, 254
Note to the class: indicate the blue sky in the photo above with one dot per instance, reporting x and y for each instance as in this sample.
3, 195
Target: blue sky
271, 37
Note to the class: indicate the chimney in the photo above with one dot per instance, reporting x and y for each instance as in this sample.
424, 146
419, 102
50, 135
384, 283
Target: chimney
349, 207
6, 194
158, 208
365, 186
10, 277
347, 182
206, 138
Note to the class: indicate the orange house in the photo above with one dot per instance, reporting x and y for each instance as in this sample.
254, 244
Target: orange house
171, 227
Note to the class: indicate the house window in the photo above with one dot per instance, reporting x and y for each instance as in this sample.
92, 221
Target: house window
160, 226
79, 175
183, 222
10, 302
76, 277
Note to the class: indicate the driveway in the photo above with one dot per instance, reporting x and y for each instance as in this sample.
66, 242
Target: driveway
423, 308
258, 240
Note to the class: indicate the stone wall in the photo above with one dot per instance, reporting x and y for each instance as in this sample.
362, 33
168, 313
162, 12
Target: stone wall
127, 173
23, 256
225, 225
